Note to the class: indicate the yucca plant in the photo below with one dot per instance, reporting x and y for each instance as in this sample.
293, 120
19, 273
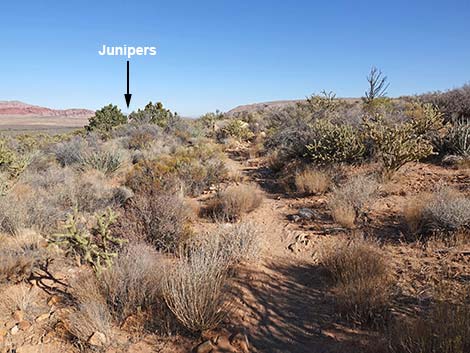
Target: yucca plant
457, 139
105, 161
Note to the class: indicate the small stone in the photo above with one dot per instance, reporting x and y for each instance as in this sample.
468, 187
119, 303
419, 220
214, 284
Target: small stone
14, 330
97, 339
24, 325
205, 347
42, 317
18, 315
306, 213
9, 324
294, 218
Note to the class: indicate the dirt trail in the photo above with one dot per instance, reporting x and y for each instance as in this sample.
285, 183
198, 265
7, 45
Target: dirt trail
284, 306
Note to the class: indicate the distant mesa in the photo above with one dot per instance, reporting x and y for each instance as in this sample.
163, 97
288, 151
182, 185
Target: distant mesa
259, 107
20, 109
277, 105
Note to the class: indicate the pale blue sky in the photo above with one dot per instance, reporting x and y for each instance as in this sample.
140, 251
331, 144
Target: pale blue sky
219, 54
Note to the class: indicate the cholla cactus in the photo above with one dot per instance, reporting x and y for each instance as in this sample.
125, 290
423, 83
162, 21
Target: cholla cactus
96, 248
334, 143
237, 129
398, 144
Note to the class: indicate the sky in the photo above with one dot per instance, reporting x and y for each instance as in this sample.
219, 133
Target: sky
220, 54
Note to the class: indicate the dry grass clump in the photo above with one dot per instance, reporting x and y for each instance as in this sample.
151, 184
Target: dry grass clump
233, 202
312, 181
347, 202
442, 213
235, 242
362, 276
69, 152
157, 218
19, 255
40, 201
43, 200
22, 297
11, 220
195, 287
413, 211
88, 319
445, 328
90, 313
133, 282
243, 241
94, 192
17, 265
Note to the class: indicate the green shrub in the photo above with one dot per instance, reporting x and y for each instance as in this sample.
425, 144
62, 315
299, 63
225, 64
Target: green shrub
106, 119
333, 143
7, 155
398, 144
237, 129
13, 162
209, 121
153, 114
290, 130
194, 169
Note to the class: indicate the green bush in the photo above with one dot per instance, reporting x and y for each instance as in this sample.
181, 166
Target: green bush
334, 143
153, 114
237, 129
209, 121
106, 119
398, 144
7, 155
194, 169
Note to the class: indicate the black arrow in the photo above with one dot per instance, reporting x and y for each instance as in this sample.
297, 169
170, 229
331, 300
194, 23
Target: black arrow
127, 95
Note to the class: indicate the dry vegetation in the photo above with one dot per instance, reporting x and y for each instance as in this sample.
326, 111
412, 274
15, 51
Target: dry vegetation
138, 229
233, 202
312, 182
363, 278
